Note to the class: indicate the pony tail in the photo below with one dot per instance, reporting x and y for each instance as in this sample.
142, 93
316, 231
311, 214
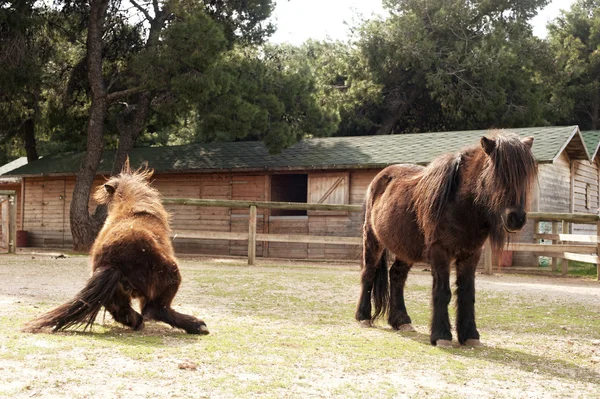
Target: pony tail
380, 293
83, 309
435, 190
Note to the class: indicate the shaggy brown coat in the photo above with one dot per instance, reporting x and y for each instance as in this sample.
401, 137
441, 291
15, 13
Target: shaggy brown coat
442, 214
132, 257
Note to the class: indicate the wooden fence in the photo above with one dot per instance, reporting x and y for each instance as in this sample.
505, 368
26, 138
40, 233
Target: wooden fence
8, 198
564, 246
252, 236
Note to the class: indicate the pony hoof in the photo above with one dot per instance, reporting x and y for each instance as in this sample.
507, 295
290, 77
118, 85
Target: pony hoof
365, 323
443, 343
139, 327
204, 330
406, 328
473, 343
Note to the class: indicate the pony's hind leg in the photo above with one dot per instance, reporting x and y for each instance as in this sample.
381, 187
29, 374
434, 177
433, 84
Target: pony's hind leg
398, 317
159, 308
121, 310
373, 259
465, 300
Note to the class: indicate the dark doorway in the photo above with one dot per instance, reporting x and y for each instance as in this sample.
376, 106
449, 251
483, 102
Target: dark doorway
289, 188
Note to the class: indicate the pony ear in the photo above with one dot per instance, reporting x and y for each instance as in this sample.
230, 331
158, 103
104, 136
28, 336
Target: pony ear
109, 188
126, 168
488, 145
528, 141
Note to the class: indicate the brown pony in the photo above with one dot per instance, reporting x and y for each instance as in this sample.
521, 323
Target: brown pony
442, 214
132, 257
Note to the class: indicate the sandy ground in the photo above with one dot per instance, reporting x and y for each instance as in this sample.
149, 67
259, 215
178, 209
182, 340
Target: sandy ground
33, 281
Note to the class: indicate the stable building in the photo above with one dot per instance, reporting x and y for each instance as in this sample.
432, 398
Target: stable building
335, 170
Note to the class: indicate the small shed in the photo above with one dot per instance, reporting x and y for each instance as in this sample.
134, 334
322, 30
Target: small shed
10, 183
330, 170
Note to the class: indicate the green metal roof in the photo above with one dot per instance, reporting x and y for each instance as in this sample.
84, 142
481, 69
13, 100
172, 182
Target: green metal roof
316, 153
592, 139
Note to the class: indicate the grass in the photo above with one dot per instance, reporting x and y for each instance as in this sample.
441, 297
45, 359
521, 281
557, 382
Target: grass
582, 269
289, 332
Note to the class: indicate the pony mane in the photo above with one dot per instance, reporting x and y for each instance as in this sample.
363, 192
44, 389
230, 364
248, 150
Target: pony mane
495, 181
508, 175
130, 194
436, 187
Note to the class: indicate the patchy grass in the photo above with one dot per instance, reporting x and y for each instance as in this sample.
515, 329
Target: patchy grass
582, 269
288, 331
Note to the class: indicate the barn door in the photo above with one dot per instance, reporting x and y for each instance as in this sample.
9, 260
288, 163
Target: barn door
3, 224
328, 188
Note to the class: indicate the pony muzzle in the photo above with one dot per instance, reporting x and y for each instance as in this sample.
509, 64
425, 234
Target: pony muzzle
513, 220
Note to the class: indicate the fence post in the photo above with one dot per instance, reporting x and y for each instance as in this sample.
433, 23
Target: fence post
252, 236
12, 224
487, 258
554, 260
598, 250
536, 230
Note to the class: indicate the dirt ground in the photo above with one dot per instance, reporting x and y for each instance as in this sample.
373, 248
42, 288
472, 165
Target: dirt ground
285, 329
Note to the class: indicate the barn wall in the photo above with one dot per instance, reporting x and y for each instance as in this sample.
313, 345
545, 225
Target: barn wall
48, 199
585, 193
551, 194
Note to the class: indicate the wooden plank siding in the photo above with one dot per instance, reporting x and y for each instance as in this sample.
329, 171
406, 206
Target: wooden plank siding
48, 199
551, 193
585, 195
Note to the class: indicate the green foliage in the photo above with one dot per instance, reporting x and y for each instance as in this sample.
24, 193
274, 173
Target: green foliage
452, 65
256, 94
575, 40
345, 85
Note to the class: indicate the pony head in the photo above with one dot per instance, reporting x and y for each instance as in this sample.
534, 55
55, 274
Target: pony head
129, 185
509, 172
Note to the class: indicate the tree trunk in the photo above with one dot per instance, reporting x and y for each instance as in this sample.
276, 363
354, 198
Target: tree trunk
28, 135
84, 228
130, 126
397, 103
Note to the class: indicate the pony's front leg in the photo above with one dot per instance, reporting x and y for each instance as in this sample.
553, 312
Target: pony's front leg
465, 299
441, 333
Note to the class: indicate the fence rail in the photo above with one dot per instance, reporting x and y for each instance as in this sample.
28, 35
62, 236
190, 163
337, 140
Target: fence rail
586, 249
564, 246
252, 236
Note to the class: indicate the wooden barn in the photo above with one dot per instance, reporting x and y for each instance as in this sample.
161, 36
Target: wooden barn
9, 183
333, 170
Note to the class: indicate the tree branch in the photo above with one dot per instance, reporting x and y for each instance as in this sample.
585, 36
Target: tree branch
117, 95
142, 10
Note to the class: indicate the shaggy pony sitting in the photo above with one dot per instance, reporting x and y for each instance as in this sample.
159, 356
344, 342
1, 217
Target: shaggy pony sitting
132, 257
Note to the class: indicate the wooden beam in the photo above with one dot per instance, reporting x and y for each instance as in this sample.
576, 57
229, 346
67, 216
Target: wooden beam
581, 258
598, 251
554, 242
262, 204
8, 192
210, 235
12, 224
551, 249
297, 238
568, 237
569, 217
487, 258
536, 230
252, 236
